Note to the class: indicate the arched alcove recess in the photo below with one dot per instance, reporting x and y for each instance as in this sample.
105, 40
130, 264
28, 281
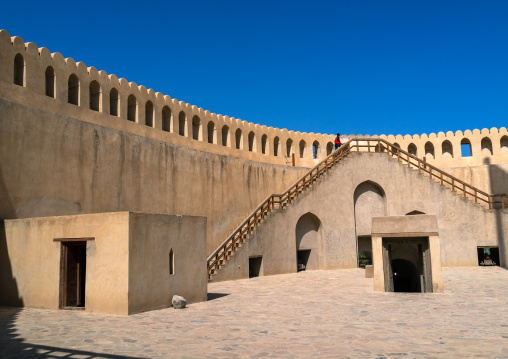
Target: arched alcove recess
171, 262
411, 149
396, 145
414, 213
308, 239
113, 102
504, 144
486, 146
95, 96
238, 139
429, 150
225, 136
196, 129
73, 90
132, 108
211, 132
252, 142
149, 114
50, 82
379, 148
316, 151
276, 143
264, 144
182, 123
370, 201
329, 148
19, 70
289, 147
303, 147
166, 119
447, 149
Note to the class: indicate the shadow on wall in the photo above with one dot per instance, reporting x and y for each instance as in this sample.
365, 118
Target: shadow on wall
498, 181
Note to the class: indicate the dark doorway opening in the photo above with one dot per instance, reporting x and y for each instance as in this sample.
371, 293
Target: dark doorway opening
302, 258
407, 265
488, 256
405, 276
255, 266
73, 275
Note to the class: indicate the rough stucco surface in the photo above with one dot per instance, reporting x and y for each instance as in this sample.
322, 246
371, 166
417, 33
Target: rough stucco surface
55, 165
30, 275
462, 224
152, 236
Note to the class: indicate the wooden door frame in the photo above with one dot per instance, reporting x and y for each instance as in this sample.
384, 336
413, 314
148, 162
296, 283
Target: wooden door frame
64, 249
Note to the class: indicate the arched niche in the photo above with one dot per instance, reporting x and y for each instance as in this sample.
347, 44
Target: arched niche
486, 147
308, 238
370, 201
414, 213
429, 150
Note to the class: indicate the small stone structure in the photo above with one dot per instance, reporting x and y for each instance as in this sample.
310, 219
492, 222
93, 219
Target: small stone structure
417, 238
130, 262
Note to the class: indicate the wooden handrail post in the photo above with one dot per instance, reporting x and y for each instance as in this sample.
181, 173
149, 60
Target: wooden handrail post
441, 178
357, 146
453, 184
398, 154
424, 162
368, 146
475, 196
490, 202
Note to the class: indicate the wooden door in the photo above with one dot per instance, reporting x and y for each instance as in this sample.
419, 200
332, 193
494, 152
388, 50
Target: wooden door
73, 274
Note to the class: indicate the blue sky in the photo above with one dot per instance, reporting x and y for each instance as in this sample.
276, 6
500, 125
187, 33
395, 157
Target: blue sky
355, 67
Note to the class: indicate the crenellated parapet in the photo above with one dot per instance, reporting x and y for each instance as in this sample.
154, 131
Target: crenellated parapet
36, 77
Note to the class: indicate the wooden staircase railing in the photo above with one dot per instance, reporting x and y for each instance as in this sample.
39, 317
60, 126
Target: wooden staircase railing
279, 201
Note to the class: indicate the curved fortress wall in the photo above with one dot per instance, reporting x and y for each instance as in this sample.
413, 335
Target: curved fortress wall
77, 140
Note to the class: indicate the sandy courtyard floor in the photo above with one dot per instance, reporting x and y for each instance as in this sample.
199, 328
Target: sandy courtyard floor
318, 314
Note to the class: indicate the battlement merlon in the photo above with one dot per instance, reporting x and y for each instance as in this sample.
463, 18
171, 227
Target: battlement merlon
113, 97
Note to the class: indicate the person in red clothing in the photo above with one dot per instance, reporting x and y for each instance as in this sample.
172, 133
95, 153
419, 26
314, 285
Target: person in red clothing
337, 141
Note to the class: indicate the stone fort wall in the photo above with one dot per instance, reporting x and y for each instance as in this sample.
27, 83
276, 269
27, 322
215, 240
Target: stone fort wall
61, 85
76, 140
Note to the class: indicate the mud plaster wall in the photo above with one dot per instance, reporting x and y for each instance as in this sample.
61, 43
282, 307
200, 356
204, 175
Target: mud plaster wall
55, 165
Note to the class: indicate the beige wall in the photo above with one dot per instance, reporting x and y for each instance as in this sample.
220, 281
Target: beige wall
30, 265
152, 236
54, 165
462, 224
